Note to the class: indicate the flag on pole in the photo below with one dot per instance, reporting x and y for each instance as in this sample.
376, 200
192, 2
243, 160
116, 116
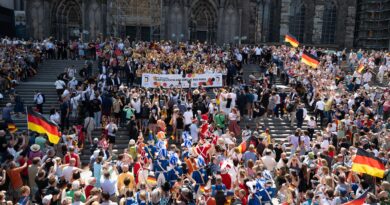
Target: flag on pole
243, 146
12, 127
292, 40
151, 180
360, 69
38, 123
367, 163
201, 188
309, 60
358, 201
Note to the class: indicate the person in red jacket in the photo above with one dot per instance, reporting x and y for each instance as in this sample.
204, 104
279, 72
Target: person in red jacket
72, 155
226, 177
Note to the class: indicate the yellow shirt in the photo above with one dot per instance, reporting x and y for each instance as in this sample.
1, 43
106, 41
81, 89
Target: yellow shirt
122, 177
266, 138
328, 104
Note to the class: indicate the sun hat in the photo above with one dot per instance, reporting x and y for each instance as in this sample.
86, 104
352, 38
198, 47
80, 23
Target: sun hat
35, 148
132, 142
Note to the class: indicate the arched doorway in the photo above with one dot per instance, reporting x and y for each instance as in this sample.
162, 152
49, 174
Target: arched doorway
203, 22
67, 21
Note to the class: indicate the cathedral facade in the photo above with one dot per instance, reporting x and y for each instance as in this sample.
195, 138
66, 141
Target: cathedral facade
312, 22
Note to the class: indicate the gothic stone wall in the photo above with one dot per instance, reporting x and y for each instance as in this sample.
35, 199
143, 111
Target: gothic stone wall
220, 21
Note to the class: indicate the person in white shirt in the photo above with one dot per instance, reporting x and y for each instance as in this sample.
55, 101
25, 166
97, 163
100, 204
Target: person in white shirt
269, 161
294, 141
66, 94
188, 115
109, 185
381, 72
111, 128
55, 117
67, 172
73, 83
319, 110
258, 51
367, 77
357, 76
60, 86
38, 99
311, 125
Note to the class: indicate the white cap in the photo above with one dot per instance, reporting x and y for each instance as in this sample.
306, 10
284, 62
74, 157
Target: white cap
47, 199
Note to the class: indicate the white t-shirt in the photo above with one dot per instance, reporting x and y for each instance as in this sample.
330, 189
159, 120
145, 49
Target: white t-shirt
59, 84
320, 105
258, 51
367, 77
188, 117
311, 124
67, 172
269, 162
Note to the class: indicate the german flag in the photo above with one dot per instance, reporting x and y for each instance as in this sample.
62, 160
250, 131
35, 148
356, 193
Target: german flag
360, 69
243, 146
292, 40
37, 123
367, 163
201, 188
358, 201
151, 180
12, 127
309, 60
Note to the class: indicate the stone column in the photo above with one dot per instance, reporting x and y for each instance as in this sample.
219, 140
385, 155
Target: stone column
164, 21
266, 20
284, 18
350, 26
185, 24
260, 15
317, 24
220, 26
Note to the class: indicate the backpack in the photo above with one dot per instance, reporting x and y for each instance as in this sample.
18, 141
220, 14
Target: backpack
290, 107
43, 98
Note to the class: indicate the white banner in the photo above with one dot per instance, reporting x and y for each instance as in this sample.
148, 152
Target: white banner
177, 80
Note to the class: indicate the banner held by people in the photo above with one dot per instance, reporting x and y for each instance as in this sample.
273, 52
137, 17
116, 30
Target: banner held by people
178, 80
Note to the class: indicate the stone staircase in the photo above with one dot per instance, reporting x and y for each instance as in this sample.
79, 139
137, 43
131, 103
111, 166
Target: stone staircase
44, 82
279, 128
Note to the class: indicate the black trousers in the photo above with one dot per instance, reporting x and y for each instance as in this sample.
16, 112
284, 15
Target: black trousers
40, 108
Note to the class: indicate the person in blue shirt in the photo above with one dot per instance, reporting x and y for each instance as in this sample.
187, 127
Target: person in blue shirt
200, 174
175, 170
250, 154
161, 164
218, 187
150, 150
262, 194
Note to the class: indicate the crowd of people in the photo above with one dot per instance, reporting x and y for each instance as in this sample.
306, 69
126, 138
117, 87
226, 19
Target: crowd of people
195, 145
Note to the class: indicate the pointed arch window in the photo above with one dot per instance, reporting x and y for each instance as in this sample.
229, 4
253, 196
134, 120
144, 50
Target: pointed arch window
329, 23
297, 20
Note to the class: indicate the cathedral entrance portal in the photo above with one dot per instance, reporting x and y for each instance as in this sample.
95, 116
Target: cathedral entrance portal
67, 21
203, 22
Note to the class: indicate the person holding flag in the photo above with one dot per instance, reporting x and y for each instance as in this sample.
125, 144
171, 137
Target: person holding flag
199, 174
175, 170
